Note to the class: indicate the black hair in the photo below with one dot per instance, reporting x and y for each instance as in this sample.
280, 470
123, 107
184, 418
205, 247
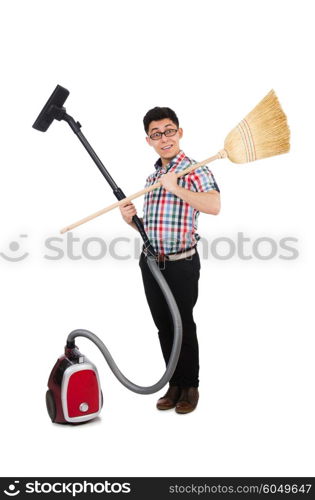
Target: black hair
158, 113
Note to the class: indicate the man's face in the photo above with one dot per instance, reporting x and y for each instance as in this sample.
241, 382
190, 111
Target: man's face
166, 147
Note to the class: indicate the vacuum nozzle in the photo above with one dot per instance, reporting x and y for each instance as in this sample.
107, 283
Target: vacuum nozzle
52, 110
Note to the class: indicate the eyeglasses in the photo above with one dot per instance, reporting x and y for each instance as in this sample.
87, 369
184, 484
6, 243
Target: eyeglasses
169, 132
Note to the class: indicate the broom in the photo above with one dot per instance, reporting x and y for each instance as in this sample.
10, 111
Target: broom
264, 132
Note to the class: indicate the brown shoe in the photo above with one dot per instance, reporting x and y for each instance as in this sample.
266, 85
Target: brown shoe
169, 400
188, 400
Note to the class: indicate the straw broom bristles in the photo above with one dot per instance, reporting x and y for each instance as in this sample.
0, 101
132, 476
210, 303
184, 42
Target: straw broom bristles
262, 133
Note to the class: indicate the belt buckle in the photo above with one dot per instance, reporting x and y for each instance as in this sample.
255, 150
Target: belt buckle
161, 257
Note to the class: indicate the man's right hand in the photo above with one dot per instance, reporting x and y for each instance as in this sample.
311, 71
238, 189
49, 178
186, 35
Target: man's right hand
128, 210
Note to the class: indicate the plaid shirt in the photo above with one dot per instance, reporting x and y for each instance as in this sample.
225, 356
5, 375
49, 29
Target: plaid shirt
170, 222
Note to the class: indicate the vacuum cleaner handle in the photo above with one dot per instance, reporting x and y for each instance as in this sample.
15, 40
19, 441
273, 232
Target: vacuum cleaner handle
120, 195
76, 127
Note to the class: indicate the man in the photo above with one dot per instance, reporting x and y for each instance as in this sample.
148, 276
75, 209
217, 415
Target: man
170, 221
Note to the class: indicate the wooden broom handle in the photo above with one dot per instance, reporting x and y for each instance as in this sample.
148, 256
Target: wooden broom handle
221, 154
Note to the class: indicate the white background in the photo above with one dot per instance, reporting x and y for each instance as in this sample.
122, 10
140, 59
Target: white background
212, 62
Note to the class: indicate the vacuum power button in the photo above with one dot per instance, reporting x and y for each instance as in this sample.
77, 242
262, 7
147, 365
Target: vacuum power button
83, 407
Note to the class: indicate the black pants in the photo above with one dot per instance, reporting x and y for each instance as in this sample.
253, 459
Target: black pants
182, 277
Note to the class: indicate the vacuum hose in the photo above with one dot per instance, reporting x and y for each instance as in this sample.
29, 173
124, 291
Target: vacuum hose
177, 341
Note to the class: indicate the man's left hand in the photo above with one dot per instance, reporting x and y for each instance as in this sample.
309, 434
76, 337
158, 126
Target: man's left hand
169, 182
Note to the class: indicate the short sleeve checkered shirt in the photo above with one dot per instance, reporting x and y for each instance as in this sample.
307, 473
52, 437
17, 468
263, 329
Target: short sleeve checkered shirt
170, 222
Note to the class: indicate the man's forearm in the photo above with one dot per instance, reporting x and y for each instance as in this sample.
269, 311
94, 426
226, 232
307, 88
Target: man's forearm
208, 202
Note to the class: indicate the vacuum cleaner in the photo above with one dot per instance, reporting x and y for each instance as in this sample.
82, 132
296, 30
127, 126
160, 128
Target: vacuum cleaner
74, 392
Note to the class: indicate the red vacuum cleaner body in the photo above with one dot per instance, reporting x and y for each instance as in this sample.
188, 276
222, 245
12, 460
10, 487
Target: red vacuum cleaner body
74, 393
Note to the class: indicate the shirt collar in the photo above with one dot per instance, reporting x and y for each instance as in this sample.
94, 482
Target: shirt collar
174, 162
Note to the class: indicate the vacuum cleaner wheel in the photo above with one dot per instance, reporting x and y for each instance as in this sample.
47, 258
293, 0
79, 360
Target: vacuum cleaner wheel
51, 405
